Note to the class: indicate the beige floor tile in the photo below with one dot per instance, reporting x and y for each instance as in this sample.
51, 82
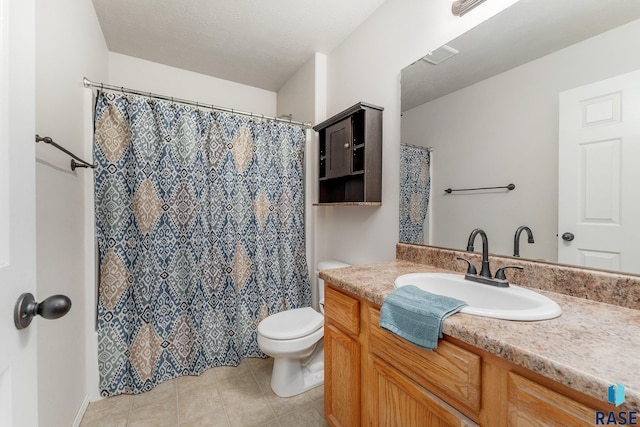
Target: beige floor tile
164, 414
258, 363
200, 403
220, 397
218, 419
316, 393
263, 378
161, 393
307, 416
191, 383
107, 421
109, 407
223, 372
319, 405
240, 388
249, 412
285, 405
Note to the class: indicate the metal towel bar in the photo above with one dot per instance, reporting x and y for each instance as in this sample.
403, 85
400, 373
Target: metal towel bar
74, 164
508, 187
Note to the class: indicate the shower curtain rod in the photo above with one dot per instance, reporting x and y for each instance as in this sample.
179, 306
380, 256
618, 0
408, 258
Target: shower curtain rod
89, 84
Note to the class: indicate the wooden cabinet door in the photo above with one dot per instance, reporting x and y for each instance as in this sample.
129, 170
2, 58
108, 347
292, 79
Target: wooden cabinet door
531, 404
341, 378
399, 402
338, 145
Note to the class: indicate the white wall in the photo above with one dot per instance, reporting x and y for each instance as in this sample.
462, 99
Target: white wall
69, 45
510, 134
18, 363
366, 67
135, 73
304, 96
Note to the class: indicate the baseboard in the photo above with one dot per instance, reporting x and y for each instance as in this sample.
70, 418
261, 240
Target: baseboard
81, 411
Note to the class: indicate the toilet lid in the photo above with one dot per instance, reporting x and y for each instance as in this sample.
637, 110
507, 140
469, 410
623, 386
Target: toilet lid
291, 324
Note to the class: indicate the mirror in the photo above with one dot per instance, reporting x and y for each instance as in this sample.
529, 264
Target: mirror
490, 115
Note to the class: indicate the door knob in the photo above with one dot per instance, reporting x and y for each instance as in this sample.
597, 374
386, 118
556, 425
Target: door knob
27, 308
568, 237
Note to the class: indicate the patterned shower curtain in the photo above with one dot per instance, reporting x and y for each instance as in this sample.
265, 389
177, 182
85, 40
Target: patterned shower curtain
415, 186
200, 226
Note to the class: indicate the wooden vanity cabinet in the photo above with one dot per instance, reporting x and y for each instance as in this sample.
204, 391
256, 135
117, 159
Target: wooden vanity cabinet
342, 373
350, 156
375, 378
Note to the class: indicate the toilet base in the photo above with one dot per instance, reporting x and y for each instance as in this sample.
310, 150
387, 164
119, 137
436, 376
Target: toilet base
294, 376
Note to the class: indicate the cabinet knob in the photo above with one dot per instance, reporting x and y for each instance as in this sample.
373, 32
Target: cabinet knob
346, 145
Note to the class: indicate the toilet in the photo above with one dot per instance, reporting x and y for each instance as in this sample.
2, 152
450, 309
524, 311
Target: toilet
294, 338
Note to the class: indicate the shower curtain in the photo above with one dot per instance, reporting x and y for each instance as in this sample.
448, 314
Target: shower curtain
415, 186
200, 226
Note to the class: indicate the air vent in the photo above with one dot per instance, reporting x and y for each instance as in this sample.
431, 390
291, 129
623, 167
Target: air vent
440, 54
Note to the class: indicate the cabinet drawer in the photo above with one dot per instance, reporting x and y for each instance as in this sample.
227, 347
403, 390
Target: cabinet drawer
342, 311
447, 371
400, 402
532, 404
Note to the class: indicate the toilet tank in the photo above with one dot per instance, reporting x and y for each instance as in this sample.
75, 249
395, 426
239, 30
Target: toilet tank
327, 265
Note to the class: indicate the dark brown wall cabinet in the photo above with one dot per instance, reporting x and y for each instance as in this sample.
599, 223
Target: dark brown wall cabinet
350, 156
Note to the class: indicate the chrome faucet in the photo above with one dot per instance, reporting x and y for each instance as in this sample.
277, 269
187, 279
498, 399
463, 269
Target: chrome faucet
484, 269
516, 239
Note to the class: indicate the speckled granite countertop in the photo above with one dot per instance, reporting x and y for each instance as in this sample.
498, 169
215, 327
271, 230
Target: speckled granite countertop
590, 347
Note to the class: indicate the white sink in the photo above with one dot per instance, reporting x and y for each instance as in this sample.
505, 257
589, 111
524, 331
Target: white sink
511, 303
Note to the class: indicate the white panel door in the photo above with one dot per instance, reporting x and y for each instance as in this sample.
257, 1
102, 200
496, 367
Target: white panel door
599, 175
18, 380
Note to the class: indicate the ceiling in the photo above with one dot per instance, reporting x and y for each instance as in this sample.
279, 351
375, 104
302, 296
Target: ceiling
257, 43
525, 31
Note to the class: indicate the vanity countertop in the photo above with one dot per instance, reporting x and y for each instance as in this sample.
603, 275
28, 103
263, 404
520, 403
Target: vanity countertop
591, 346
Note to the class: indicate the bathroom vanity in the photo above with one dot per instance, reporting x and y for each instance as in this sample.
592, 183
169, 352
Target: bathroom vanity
484, 372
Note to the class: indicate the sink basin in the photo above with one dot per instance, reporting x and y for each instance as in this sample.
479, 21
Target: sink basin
512, 303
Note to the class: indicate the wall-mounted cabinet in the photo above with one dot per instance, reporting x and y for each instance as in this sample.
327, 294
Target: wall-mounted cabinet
350, 157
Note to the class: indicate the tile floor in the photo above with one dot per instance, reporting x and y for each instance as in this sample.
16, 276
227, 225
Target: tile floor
225, 396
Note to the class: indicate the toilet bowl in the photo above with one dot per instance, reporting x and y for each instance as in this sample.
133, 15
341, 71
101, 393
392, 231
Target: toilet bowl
294, 338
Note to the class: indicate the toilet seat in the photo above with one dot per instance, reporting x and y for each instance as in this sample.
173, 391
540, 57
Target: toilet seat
291, 324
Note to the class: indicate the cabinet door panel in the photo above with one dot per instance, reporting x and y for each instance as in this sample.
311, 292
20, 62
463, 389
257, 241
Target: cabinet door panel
342, 378
342, 311
449, 370
532, 404
338, 138
402, 403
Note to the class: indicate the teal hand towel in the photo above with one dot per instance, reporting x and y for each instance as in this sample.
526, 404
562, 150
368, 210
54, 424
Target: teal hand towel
417, 315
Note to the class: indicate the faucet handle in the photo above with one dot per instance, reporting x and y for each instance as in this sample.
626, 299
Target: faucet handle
500, 273
471, 269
